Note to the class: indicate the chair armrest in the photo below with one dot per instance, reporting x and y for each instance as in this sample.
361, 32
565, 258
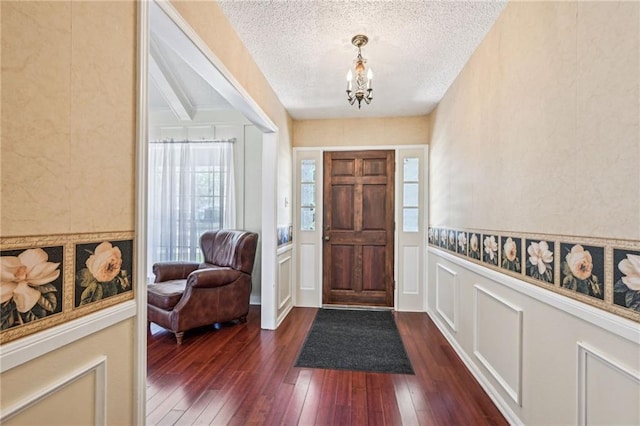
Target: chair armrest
167, 271
213, 277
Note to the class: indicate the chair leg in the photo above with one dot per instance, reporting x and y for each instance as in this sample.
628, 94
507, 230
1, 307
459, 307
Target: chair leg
179, 336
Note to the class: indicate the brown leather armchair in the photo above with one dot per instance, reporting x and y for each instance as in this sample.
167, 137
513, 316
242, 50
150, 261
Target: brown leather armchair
187, 295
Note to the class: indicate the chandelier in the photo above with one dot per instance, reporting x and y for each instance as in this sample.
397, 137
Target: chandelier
359, 78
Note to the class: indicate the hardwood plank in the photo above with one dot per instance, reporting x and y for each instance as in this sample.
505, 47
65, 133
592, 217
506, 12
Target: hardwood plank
298, 396
240, 374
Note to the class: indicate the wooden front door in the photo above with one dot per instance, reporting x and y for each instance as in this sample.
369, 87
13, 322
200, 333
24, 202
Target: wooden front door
358, 228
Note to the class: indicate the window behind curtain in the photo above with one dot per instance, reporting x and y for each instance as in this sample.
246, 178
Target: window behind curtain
191, 191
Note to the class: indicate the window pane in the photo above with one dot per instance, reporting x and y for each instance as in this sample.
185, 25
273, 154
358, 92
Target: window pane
411, 169
410, 220
308, 194
308, 169
410, 194
204, 183
308, 219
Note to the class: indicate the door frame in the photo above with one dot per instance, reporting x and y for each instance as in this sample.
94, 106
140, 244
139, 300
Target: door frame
308, 289
227, 85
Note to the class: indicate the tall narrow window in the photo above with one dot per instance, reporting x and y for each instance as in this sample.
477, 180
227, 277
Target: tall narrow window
191, 191
411, 195
308, 195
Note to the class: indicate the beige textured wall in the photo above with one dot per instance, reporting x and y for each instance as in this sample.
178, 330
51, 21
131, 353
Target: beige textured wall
361, 132
67, 159
207, 19
540, 132
68, 117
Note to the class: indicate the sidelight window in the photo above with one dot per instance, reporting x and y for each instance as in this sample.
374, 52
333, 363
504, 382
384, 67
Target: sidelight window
411, 194
308, 195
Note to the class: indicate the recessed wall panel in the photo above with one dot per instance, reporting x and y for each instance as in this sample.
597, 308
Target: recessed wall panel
446, 295
608, 391
284, 280
497, 340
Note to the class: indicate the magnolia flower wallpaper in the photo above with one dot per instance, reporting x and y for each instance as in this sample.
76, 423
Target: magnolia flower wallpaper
490, 249
626, 279
582, 269
31, 285
511, 255
540, 260
443, 238
49, 280
102, 270
606, 271
474, 246
462, 242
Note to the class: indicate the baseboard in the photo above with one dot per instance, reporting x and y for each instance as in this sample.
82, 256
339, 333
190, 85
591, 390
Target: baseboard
497, 399
283, 315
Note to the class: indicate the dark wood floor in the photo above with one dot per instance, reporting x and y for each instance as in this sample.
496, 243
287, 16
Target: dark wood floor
239, 374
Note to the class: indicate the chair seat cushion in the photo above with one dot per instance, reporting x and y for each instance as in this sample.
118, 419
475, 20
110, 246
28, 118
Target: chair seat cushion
167, 294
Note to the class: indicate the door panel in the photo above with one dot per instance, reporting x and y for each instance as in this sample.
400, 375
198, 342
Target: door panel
373, 201
342, 208
358, 227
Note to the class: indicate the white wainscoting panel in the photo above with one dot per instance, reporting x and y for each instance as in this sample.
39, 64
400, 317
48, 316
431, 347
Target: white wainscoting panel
99, 366
447, 295
497, 340
410, 269
308, 260
284, 280
608, 391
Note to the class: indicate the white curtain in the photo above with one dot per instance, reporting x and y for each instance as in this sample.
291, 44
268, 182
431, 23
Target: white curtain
191, 191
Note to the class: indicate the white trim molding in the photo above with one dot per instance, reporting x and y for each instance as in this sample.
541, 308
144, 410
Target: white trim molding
451, 322
15, 353
585, 352
515, 391
142, 149
99, 365
615, 324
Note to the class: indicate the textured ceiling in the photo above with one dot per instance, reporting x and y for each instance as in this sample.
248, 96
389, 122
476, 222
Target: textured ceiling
416, 49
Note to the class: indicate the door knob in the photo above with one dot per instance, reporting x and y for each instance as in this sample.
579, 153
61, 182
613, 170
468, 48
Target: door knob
327, 237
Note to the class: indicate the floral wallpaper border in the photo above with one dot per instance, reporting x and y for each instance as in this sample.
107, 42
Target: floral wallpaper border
600, 272
49, 280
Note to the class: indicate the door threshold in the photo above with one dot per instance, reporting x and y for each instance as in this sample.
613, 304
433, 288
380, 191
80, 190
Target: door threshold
358, 307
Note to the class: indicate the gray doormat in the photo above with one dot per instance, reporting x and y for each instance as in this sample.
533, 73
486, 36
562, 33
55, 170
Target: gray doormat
355, 340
